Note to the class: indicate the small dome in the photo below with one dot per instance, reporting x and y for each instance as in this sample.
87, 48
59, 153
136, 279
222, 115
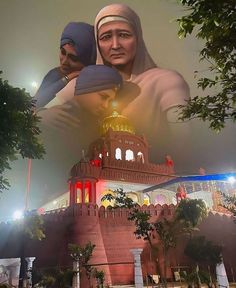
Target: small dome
117, 122
84, 169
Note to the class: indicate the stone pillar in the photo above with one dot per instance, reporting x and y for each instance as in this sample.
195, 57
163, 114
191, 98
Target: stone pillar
76, 279
93, 192
73, 196
29, 261
82, 191
14, 272
138, 275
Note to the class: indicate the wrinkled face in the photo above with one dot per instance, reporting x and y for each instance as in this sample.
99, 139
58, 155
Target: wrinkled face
117, 43
97, 102
69, 61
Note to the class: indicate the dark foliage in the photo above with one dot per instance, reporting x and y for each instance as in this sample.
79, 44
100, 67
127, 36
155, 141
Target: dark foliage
214, 22
18, 128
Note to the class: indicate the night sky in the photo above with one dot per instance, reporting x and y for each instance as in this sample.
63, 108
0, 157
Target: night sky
30, 33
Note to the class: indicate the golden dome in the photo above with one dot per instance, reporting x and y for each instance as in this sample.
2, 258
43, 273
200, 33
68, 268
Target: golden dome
117, 122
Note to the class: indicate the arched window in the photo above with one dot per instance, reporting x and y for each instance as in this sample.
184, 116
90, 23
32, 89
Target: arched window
146, 199
79, 192
140, 157
160, 199
129, 155
105, 202
118, 154
87, 192
174, 201
133, 196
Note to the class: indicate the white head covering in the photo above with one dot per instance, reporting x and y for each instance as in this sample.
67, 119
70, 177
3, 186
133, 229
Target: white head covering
160, 90
143, 60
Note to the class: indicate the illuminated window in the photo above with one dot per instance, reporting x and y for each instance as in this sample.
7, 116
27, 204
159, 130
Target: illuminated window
87, 192
118, 154
140, 157
160, 199
79, 192
146, 199
133, 196
207, 204
129, 155
174, 201
105, 202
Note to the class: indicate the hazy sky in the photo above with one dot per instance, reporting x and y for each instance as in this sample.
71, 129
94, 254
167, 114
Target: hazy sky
30, 32
31, 29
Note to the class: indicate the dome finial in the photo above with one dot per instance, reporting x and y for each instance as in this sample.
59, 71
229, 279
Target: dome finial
116, 122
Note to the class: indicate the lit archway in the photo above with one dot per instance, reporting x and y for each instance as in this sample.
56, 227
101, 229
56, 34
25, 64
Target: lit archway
118, 155
133, 196
107, 203
129, 155
140, 157
161, 199
146, 199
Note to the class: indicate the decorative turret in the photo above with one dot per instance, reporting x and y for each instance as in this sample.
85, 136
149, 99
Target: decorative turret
118, 155
84, 177
119, 142
181, 193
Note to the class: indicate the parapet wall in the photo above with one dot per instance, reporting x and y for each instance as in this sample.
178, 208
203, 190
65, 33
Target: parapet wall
113, 236
91, 210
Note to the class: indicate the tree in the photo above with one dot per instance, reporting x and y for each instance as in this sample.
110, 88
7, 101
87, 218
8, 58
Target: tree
18, 128
82, 255
229, 202
30, 227
188, 214
100, 277
203, 251
168, 232
206, 252
54, 277
216, 25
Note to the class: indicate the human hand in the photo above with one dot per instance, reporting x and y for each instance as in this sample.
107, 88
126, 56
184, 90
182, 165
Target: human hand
73, 75
59, 117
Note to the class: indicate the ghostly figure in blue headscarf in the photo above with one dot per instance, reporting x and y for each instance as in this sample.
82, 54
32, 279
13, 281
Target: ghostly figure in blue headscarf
77, 50
69, 128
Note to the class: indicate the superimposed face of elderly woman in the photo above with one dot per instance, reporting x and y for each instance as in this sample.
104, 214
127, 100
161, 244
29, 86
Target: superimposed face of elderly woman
117, 43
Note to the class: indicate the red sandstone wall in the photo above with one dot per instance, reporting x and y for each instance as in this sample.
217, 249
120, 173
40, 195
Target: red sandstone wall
221, 229
113, 236
118, 237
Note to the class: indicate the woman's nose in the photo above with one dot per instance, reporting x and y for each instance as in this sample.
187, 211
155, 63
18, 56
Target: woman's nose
115, 42
64, 59
105, 104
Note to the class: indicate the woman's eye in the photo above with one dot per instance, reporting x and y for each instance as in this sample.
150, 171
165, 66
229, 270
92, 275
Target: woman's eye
63, 51
74, 58
105, 37
125, 35
104, 97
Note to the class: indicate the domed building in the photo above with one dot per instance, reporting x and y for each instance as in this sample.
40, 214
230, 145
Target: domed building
117, 160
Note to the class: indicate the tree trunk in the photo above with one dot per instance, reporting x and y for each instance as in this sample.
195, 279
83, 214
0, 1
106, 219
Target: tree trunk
22, 262
165, 266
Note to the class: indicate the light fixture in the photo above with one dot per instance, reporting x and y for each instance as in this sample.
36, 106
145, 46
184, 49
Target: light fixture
231, 179
18, 214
